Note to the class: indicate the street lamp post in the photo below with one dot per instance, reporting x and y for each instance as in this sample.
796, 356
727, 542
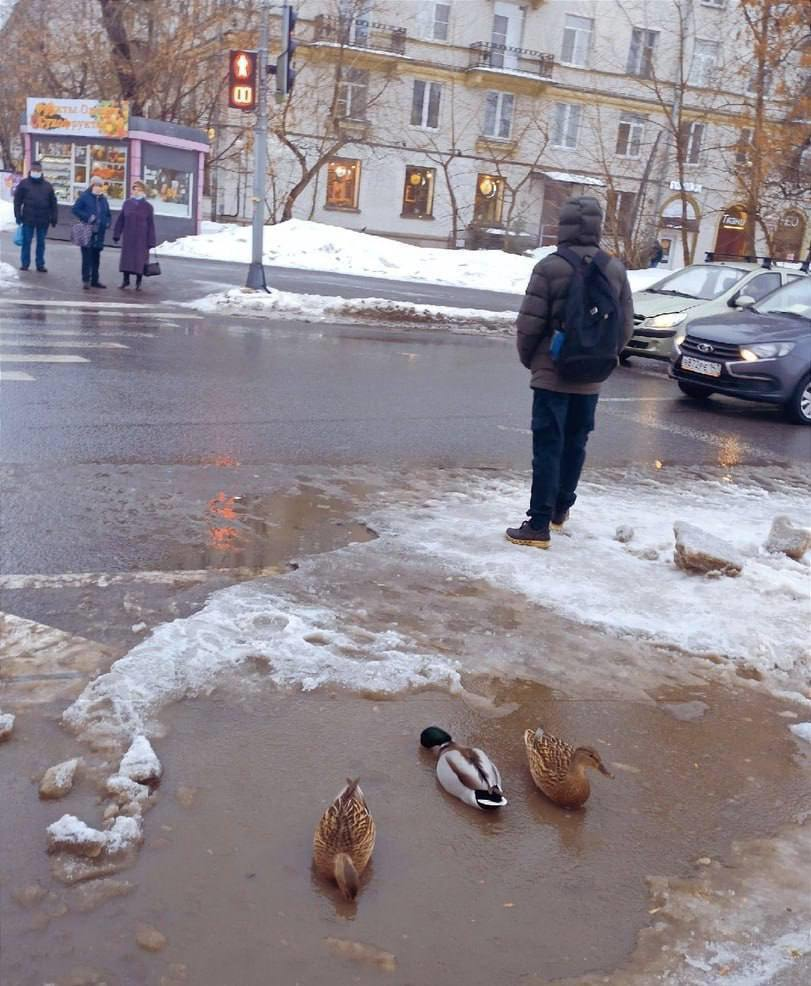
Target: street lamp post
256, 272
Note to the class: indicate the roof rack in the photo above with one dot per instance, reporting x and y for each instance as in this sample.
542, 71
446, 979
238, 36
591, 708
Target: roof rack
711, 256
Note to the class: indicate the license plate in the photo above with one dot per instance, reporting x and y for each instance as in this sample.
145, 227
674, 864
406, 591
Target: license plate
704, 366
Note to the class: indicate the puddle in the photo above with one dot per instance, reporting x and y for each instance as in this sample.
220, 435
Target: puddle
529, 892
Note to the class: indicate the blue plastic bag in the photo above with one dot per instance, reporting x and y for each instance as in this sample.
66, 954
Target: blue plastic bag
18, 236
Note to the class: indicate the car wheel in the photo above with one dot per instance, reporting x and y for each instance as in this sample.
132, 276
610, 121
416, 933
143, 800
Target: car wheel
799, 407
694, 391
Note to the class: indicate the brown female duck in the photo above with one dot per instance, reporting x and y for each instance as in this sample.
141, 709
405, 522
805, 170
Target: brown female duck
559, 769
345, 839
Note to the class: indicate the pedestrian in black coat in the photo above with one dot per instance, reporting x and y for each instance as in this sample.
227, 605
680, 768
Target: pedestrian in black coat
35, 208
136, 224
92, 208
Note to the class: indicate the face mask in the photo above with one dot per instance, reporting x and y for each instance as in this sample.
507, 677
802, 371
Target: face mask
36, 175
97, 190
138, 195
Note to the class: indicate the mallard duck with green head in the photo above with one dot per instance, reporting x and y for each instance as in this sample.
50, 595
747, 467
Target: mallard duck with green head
464, 771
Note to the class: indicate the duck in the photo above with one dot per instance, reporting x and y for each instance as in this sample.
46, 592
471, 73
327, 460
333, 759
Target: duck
345, 839
464, 771
559, 769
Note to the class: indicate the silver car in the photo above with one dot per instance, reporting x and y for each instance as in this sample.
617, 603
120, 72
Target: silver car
695, 292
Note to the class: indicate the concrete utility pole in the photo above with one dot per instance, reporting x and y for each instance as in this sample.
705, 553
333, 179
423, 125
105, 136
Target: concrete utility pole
256, 271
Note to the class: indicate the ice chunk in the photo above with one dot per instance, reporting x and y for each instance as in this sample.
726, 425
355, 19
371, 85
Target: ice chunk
70, 834
803, 730
58, 780
787, 538
698, 551
140, 762
6, 725
623, 534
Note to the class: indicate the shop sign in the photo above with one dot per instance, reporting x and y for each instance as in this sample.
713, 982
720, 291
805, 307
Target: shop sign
687, 186
78, 117
728, 221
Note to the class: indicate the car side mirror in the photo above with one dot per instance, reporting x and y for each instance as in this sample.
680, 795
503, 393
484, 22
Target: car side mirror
744, 301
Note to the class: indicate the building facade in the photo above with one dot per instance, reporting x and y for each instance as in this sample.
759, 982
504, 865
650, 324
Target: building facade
469, 122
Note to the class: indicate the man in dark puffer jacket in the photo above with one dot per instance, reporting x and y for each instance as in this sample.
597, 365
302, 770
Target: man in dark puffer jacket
562, 412
35, 208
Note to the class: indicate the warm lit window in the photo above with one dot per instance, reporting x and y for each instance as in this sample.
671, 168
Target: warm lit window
576, 40
565, 125
640, 54
498, 114
489, 200
629, 135
343, 183
353, 94
418, 192
425, 104
705, 56
442, 16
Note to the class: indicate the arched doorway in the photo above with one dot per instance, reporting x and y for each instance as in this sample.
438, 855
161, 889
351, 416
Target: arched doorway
731, 240
673, 219
790, 236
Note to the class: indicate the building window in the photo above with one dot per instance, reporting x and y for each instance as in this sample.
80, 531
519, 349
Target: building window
695, 134
498, 114
343, 183
565, 125
619, 212
353, 94
757, 81
629, 135
705, 56
418, 193
576, 40
489, 200
640, 54
425, 104
441, 25
714, 3
744, 147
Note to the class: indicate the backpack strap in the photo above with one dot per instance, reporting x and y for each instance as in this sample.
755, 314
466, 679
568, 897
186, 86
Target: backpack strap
572, 258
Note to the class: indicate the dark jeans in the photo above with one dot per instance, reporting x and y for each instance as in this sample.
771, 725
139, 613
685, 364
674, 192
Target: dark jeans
90, 265
560, 429
28, 235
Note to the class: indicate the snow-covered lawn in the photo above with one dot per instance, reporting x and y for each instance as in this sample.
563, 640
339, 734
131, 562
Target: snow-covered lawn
316, 246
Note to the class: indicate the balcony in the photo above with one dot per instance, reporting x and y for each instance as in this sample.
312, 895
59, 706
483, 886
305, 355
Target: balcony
513, 61
354, 33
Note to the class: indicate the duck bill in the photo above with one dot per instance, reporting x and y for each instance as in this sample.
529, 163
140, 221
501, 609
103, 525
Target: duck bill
604, 770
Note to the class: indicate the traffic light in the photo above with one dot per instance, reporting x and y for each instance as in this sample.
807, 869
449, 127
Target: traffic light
285, 75
243, 83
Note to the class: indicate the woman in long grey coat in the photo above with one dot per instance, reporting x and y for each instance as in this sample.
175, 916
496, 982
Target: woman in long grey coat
136, 224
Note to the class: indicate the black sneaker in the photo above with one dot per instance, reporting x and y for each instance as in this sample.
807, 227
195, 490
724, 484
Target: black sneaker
534, 537
97, 284
559, 519
42, 270
24, 268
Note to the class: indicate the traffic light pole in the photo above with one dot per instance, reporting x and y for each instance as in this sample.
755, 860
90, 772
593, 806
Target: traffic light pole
256, 271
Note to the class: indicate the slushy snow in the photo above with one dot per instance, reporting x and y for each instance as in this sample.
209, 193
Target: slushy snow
317, 246
326, 623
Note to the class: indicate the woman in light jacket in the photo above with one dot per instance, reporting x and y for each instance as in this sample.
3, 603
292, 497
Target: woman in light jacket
136, 225
93, 209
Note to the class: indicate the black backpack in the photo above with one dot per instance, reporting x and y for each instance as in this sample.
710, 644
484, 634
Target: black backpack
587, 346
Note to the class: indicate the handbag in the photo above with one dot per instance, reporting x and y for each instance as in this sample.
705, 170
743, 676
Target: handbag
81, 234
152, 268
18, 236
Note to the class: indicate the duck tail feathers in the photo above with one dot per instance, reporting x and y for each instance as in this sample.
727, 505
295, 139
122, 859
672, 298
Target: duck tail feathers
493, 798
346, 876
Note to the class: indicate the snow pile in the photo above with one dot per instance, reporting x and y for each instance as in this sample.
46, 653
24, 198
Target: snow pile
330, 622
140, 762
7, 220
8, 274
311, 307
316, 246
802, 730
6, 725
70, 834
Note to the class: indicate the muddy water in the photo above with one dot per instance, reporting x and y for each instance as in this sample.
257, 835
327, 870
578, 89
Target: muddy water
454, 895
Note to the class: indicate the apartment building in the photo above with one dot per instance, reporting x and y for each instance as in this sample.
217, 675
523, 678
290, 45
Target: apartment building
470, 121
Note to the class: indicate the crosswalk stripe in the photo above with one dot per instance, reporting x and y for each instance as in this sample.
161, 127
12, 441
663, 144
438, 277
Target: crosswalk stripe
16, 375
162, 316
78, 332
56, 303
41, 358
64, 343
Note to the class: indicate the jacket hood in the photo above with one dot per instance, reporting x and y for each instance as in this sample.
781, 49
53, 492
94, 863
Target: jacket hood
581, 222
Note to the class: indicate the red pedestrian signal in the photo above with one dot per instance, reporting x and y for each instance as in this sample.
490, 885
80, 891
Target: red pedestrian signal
242, 80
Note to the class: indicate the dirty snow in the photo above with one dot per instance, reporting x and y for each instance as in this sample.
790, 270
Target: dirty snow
317, 246
140, 763
70, 831
6, 725
319, 625
802, 730
8, 274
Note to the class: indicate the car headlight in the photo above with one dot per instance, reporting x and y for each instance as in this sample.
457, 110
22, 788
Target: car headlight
678, 339
767, 350
667, 321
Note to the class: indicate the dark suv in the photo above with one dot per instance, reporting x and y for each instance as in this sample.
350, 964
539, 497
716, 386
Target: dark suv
760, 353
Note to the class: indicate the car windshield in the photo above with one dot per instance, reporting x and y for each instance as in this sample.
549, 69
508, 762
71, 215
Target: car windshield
793, 299
700, 281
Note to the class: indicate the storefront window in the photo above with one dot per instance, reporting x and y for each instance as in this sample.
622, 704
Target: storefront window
489, 200
418, 193
169, 191
69, 167
343, 183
